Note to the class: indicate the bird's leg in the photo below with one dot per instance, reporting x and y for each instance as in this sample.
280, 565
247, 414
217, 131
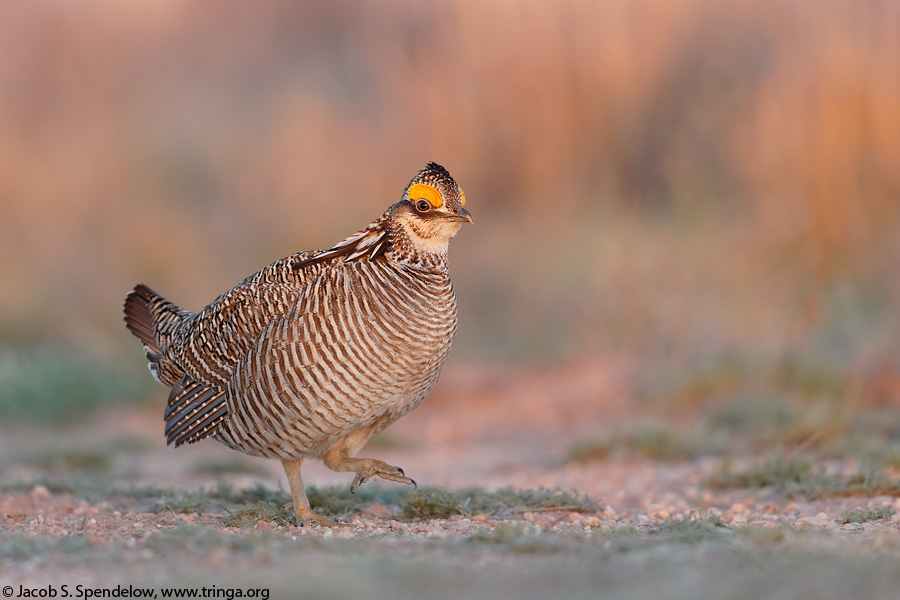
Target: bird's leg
337, 459
302, 512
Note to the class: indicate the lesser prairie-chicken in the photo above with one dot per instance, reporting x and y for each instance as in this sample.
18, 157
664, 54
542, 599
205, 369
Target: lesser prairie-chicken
316, 353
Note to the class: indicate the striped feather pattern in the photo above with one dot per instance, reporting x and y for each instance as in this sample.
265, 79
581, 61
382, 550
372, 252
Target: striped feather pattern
339, 360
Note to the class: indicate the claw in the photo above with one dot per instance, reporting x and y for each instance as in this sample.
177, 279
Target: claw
358, 481
413, 482
305, 515
375, 468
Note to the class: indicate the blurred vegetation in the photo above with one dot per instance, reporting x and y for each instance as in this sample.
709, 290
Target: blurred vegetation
423, 504
47, 385
693, 528
651, 441
865, 514
436, 503
796, 475
708, 190
248, 514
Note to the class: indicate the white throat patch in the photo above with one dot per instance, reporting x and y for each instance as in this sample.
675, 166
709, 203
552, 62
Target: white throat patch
438, 242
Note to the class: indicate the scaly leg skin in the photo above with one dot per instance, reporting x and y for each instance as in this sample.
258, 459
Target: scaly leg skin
336, 459
302, 512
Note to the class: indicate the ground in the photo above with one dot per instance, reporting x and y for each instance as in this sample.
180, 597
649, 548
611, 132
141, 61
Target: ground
521, 507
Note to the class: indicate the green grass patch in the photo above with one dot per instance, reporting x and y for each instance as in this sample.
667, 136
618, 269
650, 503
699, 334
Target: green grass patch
54, 386
337, 499
432, 503
436, 503
761, 416
650, 442
889, 456
229, 466
218, 497
756, 400
157, 499
774, 472
422, 504
248, 514
522, 537
61, 461
693, 527
798, 476
864, 514
81, 485
260, 503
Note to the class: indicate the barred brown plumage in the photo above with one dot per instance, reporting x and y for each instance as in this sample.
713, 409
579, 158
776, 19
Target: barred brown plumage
316, 353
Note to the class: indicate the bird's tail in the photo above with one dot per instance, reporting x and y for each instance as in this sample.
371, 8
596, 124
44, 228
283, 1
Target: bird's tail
155, 321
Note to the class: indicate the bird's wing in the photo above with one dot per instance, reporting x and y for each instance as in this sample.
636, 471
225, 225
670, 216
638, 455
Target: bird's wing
216, 339
223, 332
221, 336
193, 411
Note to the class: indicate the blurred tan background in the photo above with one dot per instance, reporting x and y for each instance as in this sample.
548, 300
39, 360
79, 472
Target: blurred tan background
705, 192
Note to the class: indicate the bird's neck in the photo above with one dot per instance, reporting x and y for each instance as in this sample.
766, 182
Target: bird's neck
410, 247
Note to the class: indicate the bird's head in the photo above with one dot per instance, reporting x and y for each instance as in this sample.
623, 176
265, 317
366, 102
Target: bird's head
432, 209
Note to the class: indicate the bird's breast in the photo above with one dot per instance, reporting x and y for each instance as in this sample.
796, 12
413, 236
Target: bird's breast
365, 342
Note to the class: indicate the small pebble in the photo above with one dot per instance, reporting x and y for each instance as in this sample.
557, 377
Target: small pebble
40, 493
820, 520
377, 510
397, 526
658, 512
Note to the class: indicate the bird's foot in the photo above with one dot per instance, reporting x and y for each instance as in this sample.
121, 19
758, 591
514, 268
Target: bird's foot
304, 515
372, 467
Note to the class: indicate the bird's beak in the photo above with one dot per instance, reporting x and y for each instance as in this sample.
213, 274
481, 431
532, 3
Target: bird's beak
463, 216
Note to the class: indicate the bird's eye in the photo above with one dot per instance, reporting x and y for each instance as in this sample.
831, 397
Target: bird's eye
422, 205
